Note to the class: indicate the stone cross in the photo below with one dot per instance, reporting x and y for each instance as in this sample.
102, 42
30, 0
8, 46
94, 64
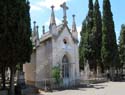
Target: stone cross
64, 11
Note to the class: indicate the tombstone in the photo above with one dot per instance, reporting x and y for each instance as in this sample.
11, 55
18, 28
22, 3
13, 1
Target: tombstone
98, 72
21, 80
7, 74
21, 86
86, 71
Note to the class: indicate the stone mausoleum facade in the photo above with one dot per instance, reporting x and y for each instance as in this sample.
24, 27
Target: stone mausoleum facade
56, 48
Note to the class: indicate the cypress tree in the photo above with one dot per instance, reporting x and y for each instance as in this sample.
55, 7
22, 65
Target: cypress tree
85, 43
90, 16
89, 51
2, 26
97, 33
23, 43
109, 51
122, 45
24, 30
15, 32
82, 45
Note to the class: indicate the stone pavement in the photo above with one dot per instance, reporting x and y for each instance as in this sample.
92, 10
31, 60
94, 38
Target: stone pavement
108, 88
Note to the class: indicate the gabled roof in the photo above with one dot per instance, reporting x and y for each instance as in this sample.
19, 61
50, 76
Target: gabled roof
60, 29
45, 37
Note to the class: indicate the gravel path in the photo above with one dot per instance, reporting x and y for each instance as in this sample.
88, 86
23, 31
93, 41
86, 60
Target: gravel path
108, 88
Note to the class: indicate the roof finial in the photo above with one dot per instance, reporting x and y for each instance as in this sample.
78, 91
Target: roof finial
74, 24
34, 24
37, 42
37, 33
52, 7
37, 27
43, 29
64, 12
52, 19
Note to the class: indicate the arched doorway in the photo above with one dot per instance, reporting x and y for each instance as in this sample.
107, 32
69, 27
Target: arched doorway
65, 70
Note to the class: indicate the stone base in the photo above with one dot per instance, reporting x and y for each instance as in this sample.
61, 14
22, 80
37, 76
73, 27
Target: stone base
21, 80
28, 82
3, 92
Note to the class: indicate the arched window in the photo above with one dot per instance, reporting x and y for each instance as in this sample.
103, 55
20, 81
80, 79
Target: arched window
65, 67
65, 59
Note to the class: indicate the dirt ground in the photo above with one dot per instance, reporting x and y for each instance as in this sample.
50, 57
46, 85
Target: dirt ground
108, 88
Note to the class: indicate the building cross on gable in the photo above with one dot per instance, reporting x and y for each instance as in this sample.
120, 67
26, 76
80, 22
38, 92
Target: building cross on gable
64, 11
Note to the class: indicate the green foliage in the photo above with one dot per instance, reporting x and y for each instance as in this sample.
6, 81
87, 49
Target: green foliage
98, 38
15, 43
88, 37
15, 32
25, 44
18, 67
90, 6
56, 74
85, 47
97, 32
109, 51
122, 44
82, 45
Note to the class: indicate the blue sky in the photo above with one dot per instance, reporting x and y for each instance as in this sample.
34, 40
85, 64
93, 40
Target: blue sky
40, 12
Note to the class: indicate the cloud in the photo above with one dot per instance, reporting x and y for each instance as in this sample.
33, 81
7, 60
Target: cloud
47, 4
35, 8
57, 22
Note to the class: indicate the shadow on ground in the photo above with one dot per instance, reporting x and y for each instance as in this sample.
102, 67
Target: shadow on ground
83, 87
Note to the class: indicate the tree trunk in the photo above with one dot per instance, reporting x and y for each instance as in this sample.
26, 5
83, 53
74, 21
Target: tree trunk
12, 88
112, 71
21, 67
102, 68
94, 68
3, 77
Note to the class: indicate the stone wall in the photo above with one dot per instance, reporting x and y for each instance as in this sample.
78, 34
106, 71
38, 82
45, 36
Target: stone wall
71, 50
43, 62
30, 73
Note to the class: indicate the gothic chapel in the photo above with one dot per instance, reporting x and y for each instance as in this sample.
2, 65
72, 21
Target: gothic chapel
56, 48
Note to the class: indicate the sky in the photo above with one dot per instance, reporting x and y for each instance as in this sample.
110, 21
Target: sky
40, 12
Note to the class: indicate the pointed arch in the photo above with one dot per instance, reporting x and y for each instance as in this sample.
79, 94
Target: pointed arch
65, 67
65, 59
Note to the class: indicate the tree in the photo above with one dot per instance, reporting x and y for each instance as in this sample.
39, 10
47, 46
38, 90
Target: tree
82, 45
15, 43
24, 28
2, 35
122, 45
85, 50
109, 51
56, 74
97, 33
89, 51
